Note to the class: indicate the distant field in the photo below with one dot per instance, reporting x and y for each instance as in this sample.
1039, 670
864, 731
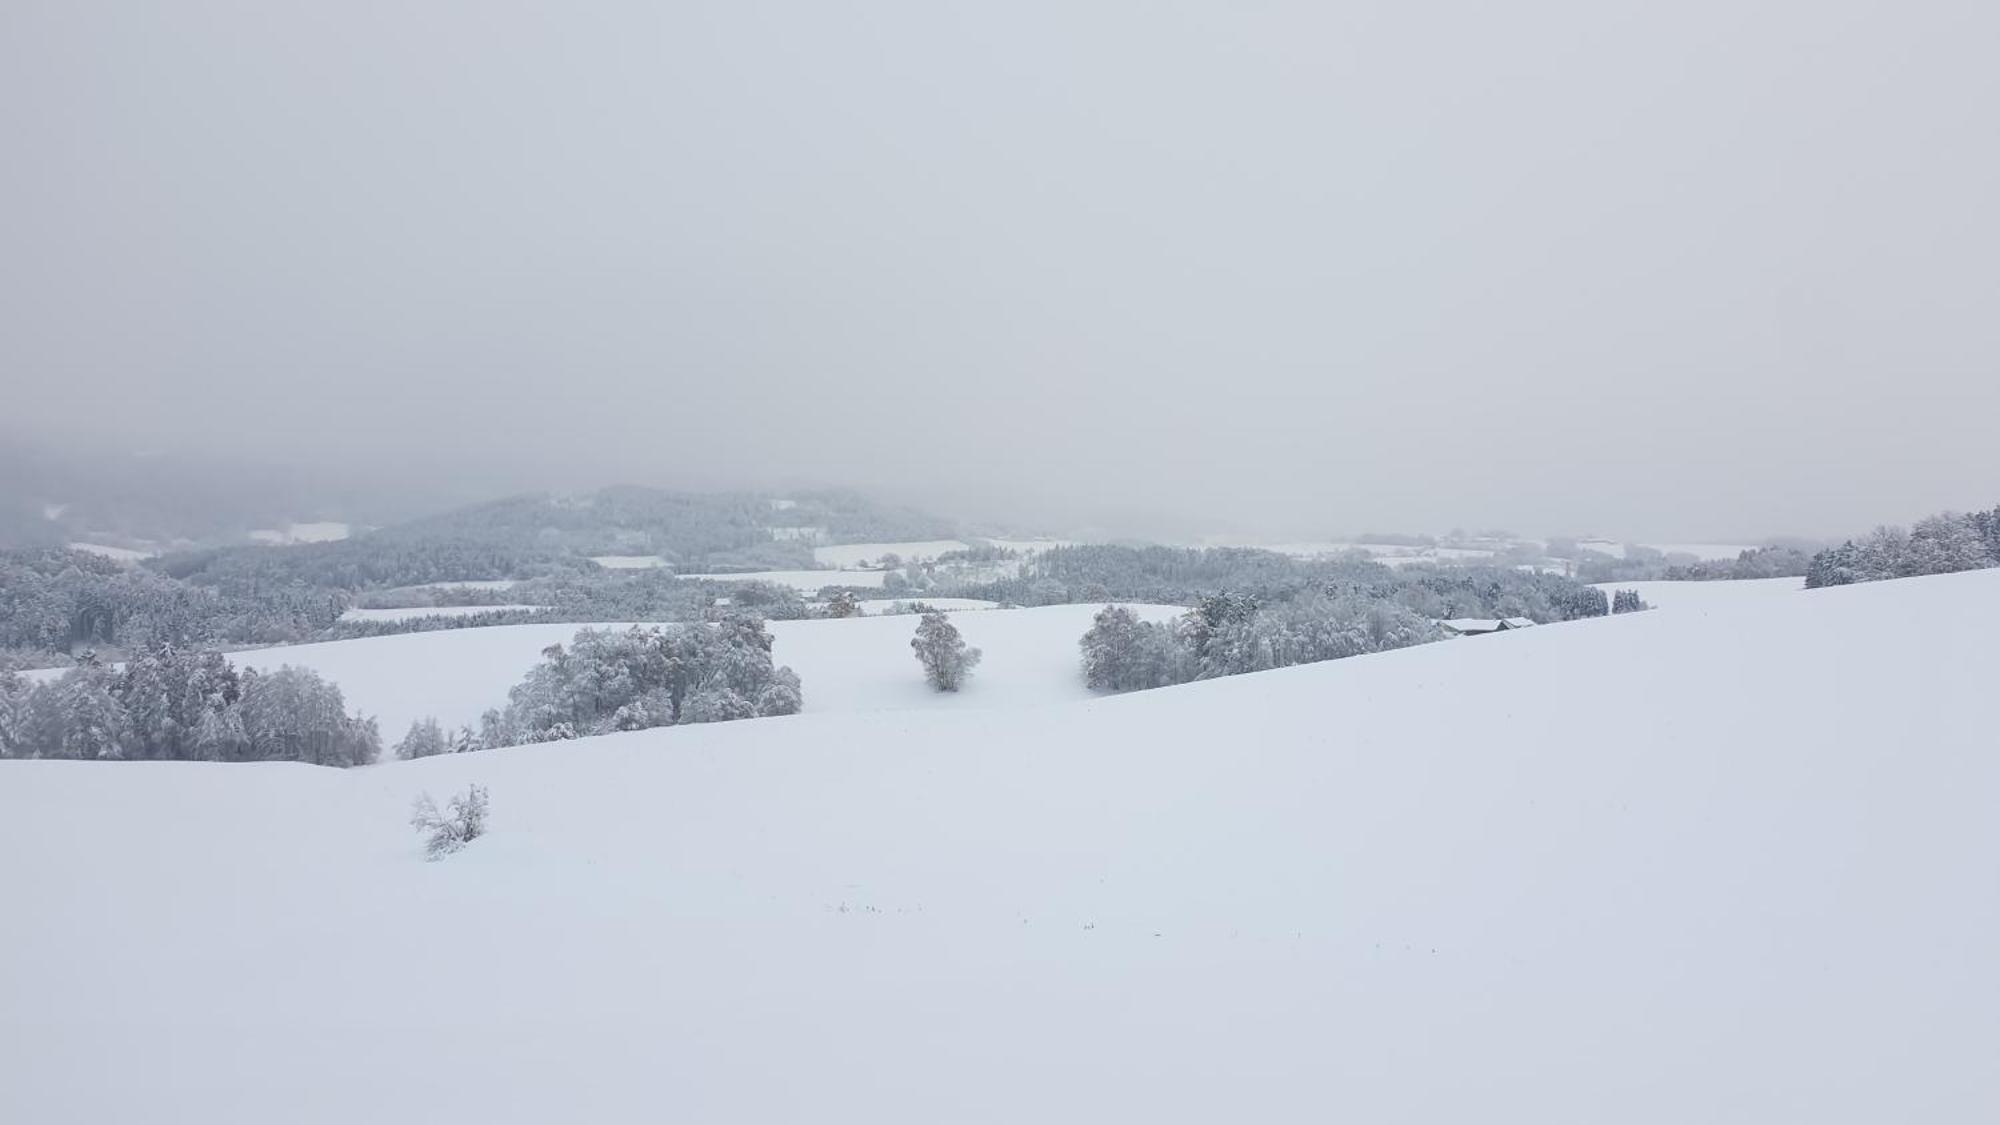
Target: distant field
858, 664
849, 555
409, 612
804, 581
119, 554
879, 605
1706, 552
1709, 595
628, 562
303, 533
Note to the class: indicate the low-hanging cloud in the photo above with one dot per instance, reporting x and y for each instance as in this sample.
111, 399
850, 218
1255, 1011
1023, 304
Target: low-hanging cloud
1687, 270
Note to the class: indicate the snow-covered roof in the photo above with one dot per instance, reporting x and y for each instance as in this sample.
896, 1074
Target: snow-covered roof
1485, 624
1471, 624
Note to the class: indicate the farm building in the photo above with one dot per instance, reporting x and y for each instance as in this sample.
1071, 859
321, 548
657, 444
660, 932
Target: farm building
1478, 626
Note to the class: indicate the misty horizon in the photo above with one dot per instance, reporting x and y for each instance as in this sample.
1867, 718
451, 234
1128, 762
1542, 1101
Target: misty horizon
1671, 274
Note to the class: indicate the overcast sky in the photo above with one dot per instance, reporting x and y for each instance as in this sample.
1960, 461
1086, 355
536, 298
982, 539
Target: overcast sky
1649, 269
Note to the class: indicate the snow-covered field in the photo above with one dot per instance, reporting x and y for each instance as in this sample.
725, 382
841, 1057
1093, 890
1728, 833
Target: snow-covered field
1419, 886
1029, 546
1388, 554
804, 581
323, 532
628, 562
356, 613
884, 605
851, 555
468, 584
1706, 552
860, 664
1719, 596
117, 554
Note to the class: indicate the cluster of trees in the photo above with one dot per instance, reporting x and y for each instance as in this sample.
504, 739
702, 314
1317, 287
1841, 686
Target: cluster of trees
610, 680
173, 704
1626, 601
1183, 576
56, 601
1940, 544
1229, 634
1644, 564
694, 532
378, 559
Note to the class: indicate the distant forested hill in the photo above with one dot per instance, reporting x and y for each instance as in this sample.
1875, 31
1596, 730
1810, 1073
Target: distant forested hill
690, 530
549, 535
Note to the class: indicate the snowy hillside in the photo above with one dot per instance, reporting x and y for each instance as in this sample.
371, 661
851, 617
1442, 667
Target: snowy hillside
1417, 886
1724, 595
860, 664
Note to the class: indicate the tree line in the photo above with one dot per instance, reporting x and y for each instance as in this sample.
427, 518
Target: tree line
1939, 544
608, 680
172, 704
1230, 634
1185, 575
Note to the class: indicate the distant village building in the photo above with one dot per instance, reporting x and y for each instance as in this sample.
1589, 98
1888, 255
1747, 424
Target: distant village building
1478, 626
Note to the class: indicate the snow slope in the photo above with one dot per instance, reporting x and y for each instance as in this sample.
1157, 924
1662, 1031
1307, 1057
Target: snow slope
884, 605
804, 581
847, 556
322, 532
629, 562
405, 613
1724, 595
1410, 887
859, 664
116, 554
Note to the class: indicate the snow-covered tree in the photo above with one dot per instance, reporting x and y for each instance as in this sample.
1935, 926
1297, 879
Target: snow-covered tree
782, 695
946, 658
638, 678
425, 739
1123, 653
13, 714
1626, 601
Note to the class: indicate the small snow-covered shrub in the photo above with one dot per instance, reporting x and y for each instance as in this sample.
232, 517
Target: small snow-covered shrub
447, 832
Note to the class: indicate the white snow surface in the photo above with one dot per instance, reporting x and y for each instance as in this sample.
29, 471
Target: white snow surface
467, 584
1707, 552
1030, 546
1414, 887
1723, 596
804, 581
117, 554
405, 613
628, 562
859, 664
881, 605
851, 555
322, 532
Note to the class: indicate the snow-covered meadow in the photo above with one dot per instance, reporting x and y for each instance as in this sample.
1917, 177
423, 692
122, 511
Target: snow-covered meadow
407, 613
115, 554
319, 532
852, 556
629, 562
857, 664
1417, 886
804, 581
1723, 595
